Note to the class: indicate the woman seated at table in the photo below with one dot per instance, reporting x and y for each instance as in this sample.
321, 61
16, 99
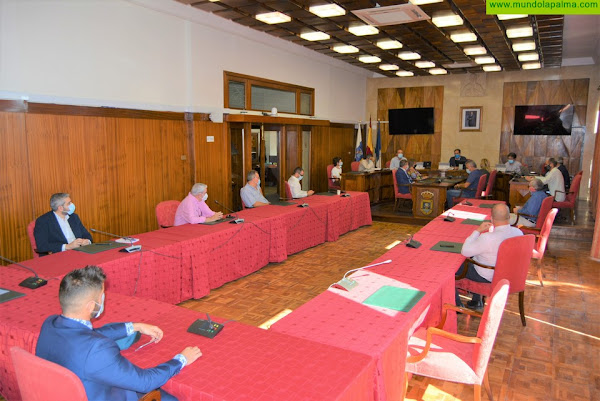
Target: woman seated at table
336, 171
414, 174
485, 165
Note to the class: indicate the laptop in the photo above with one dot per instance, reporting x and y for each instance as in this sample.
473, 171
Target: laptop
444, 166
501, 167
426, 164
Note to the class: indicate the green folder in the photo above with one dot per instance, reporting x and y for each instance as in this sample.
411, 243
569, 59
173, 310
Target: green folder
446, 246
487, 205
326, 193
8, 295
401, 299
99, 247
212, 223
474, 222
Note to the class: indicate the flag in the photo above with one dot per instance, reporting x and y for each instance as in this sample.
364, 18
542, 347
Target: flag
358, 153
369, 140
378, 147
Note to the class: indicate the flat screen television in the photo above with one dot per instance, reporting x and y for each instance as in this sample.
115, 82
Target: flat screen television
411, 121
543, 120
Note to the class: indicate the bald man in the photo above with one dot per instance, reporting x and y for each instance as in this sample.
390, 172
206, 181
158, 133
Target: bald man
482, 246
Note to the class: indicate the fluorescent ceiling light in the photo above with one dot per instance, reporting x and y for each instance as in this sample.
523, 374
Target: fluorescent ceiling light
345, 49
409, 56
419, 2
475, 50
524, 31
438, 71
213, 1
524, 46
492, 68
442, 20
532, 66
425, 64
389, 44
485, 60
363, 30
403, 73
369, 59
315, 35
504, 17
388, 67
529, 57
460, 37
327, 10
274, 17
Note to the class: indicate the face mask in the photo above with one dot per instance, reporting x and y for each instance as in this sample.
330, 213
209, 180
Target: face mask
300, 178
96, 314
511, 161
258, 183
341, 164
468, 171
71, 209
457, 157
205, 197
400, 155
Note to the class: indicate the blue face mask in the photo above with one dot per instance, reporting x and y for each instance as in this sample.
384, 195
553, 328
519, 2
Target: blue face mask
457, 157
258, 182
511, 161
71, 209
400, 155
96, 314
300, 178
341, 164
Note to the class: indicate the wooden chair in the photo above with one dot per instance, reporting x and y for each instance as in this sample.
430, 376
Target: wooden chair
541, 217
489, 190
332, 183
30, 228
512, 264
542, 242
354, 166
478, 191
42, 380
571, 197
439, 354
398, 195
165, 213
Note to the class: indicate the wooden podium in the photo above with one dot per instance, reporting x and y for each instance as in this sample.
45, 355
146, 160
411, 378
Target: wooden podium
429, 196
378, 184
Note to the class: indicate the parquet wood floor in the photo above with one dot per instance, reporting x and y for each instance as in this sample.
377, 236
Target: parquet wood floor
556, 357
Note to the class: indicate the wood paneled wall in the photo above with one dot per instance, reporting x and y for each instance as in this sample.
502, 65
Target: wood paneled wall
327, 143
415, 147
533, 150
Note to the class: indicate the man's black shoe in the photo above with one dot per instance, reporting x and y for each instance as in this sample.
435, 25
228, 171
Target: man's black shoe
478, 306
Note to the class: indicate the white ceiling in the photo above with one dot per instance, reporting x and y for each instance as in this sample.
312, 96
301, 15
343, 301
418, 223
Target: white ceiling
581, 40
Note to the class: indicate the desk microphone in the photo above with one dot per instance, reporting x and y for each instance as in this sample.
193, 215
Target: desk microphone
449, 217
30, 282
237, 220
131, 240
346, 283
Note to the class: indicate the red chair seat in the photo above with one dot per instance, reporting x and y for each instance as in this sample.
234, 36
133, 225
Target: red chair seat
404, 196
165, 213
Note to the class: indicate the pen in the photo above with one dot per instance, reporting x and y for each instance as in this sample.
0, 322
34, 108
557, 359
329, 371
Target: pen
143, 345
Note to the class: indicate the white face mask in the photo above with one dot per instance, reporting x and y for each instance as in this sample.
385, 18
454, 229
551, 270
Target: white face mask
205, 197
300, 178
341, 164
96, 314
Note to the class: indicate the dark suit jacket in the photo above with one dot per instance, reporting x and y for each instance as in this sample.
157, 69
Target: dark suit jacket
455, 163
565, 173
48, 235
402, 178
95, 358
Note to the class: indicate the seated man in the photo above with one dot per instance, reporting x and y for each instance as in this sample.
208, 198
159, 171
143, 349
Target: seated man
251, 194
403, 179
193, 209
395, 162
457, 160
513, 165
564, 171
367, 164
60, 229
531, 207
92, 354
555, 181
294, 182
469, 187
482, 246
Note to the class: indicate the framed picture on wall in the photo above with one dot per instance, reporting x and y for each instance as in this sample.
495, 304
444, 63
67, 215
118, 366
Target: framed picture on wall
470, 118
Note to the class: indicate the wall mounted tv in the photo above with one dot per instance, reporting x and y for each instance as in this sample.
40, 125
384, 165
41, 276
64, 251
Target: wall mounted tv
411, 121
543, 120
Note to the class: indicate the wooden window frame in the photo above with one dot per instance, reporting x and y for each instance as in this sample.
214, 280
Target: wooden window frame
250, 81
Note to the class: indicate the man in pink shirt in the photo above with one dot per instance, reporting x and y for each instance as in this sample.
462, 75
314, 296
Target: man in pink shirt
193, 209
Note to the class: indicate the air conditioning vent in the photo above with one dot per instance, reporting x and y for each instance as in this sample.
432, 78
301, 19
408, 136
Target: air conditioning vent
391, 15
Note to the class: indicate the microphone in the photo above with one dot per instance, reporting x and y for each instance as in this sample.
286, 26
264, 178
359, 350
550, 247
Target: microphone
449, 217
30, 282
237, 220
131, 240
347, 283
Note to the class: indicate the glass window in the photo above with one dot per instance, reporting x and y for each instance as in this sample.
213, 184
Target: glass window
267, 98
237, 95
305, 103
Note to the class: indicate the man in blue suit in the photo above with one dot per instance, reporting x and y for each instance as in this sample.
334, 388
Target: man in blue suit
92, 354
60, 229
402, 177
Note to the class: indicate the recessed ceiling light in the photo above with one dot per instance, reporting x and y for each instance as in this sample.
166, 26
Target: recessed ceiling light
425, 64
369, 59
403, 73
504, 17
213, 1
315, 35
442, 20
529, 57
274, 17
388, 67
492, 68
459, 37
438, 71
524, 31
363, 30
485, 60
475, 50
327, 10
523, 46
420, 2
531, 66
389, 44
409, 56
344, 49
